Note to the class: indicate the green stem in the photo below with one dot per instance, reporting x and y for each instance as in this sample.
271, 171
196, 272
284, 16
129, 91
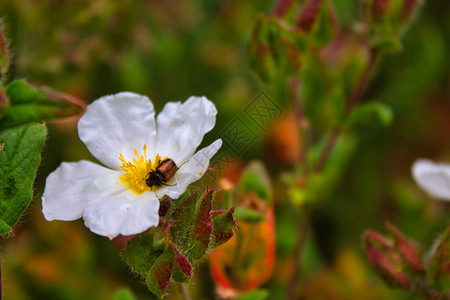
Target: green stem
304, 224
294, 282
351, 102
302, 125
362, 82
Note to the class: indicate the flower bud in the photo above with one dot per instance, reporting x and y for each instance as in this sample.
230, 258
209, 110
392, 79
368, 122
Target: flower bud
387, 20
309, 15
274, 50
376, 9
316, 20
408, 250
386, 260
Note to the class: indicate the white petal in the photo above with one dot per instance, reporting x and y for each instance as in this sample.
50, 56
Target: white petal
191, 171
122, 213
181, 127
433, 178
117, 124
68, 189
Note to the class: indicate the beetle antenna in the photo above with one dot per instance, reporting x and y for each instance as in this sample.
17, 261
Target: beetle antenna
183, 164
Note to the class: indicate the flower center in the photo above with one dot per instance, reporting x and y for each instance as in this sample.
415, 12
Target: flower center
136, 171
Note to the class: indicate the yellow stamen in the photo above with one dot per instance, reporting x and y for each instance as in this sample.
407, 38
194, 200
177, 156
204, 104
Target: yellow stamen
136, 172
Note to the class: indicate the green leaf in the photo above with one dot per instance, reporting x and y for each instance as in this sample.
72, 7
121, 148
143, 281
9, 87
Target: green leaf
159, 275
254, 295
366, 112
198, 240
223, 223
256, 180
30, 104
20, 150
390, 45
124, 294
141, 253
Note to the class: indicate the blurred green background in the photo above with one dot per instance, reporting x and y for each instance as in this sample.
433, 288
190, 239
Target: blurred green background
170, 50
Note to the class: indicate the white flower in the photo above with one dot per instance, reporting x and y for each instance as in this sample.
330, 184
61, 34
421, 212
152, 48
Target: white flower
433, 178
121, 132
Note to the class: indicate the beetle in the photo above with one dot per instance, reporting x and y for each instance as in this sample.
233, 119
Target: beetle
163, 173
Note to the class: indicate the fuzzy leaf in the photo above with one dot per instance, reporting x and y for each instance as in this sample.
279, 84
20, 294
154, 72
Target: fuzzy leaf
141, 253
124, 294
198, 240
182, 269
20, 150
159, 275
223, 223
183, 216
30, 104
